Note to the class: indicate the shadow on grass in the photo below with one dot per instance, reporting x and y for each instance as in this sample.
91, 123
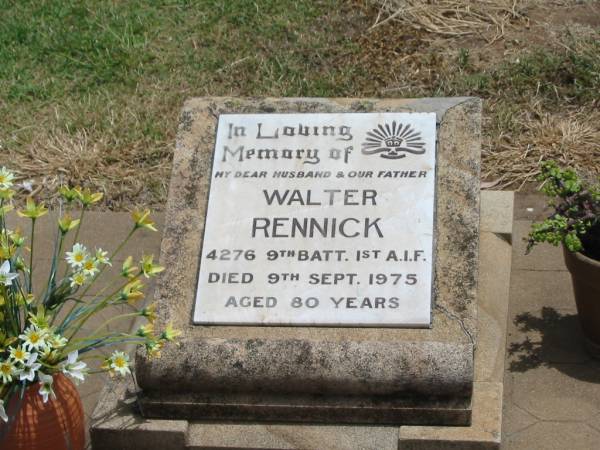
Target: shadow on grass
552, 339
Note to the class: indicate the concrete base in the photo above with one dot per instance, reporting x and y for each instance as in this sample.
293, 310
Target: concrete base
117, 423
308, 409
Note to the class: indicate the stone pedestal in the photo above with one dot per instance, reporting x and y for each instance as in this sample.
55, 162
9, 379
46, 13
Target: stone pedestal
320, 374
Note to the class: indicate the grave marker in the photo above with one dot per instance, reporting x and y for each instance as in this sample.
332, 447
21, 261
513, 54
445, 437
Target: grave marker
407, 365
319, 219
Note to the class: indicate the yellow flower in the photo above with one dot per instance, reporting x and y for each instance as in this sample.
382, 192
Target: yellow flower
16, 237
132, 292
88, 197
106, 364
153, 348
67, 223
128, 270
145, 330
7, 251
148, 267
33, 210
40, 319
24, 299
169, 334
5, 340
149, 312
68, 194
102, 257
142, 219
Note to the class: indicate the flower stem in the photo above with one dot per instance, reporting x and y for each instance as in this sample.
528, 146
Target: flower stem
30, 288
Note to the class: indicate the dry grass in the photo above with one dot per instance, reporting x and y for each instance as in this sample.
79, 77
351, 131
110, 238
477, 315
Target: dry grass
536, 65
487, 18
571, 138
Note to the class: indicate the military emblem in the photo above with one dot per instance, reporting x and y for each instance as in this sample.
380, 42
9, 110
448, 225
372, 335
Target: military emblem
393, 141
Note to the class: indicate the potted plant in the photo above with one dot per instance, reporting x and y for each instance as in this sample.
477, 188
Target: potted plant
43, 346
575, 223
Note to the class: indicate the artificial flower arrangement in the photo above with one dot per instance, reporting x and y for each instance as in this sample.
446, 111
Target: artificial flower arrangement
41, 332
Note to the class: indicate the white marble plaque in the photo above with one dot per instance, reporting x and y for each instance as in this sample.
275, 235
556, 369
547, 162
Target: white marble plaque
320, 219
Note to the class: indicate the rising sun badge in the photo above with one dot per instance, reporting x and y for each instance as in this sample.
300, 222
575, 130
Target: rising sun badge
393, 141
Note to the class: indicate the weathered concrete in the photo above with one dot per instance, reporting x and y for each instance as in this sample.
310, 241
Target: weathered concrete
483, 434
494, 215
214, 358
293, 366
208, 436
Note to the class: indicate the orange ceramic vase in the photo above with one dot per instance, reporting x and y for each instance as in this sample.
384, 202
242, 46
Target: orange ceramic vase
56, 425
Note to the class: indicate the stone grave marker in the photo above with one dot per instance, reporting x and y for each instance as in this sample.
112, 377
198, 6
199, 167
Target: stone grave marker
321, 260
319, 219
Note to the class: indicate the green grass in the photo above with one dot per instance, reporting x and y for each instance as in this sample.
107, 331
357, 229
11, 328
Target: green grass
110, 77
568, 75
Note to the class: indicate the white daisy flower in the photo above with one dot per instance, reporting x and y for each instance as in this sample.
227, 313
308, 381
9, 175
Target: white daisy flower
6, 178
34, 339
46, 386
74, 368
19, 354
6, 276
7, 370
30, 368
90, 267
78, 279
77, 257
119, 362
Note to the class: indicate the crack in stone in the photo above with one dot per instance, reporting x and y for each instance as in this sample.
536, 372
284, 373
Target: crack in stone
454, 317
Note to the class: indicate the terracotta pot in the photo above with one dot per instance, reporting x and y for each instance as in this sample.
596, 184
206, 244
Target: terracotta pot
585, 273
58, 424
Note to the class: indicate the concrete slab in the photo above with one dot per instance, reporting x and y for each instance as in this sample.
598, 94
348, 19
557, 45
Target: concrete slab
515, 418
534, 289
494, 277
209, 436
545, 336
541, 257
554, 436
494, 212
116, 426
483, 434
531, 207
554, 393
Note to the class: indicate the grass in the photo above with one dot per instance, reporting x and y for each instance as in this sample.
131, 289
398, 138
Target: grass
90, 90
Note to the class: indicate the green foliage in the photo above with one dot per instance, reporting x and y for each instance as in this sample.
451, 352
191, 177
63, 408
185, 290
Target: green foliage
576, 211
